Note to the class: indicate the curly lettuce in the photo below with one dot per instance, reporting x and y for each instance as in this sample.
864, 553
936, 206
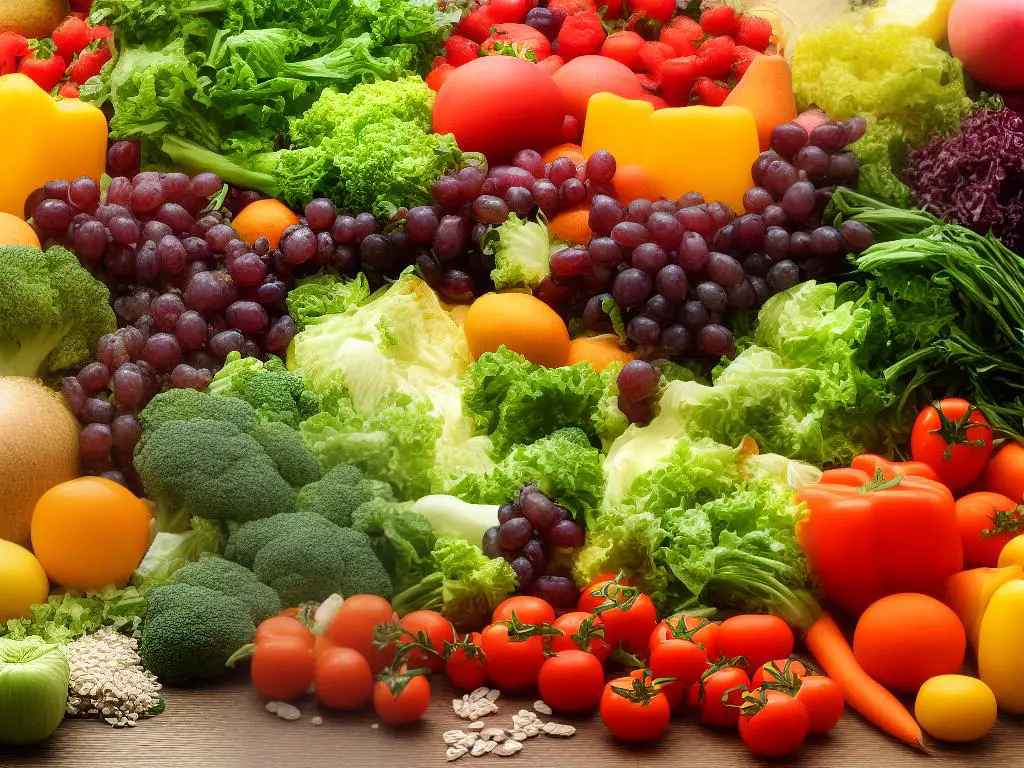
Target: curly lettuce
522, 252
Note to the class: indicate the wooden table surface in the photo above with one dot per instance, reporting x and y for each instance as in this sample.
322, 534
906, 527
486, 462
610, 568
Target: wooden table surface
226, 726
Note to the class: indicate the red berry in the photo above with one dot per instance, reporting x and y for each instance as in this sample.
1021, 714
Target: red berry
89, 64
68, 91
508, 11
720, 20
477, 25
754, 32
710, 93
677, 79
102, 32
460, 50
689, 26
649, 83
744, 58
624, 47
572, 7
659, 10
581, 34
438, 75
71, 36
715, 56
44, 70
679, 40
570, 130
653, 56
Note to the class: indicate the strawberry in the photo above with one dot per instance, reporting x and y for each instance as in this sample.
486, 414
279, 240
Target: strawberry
438, 75
659, 10
88, 64
517, 40
719, 20
12, 47
653, 56
744, 57
72, 36
649, 83
460, 50
689, 26
43, 65
572, 7
508, 11
624, 47
613, 10
677, 79
438, 61
102, 32
710, 93
477, 25
679, 39
754, 32
581, 34
68, 91
715, 56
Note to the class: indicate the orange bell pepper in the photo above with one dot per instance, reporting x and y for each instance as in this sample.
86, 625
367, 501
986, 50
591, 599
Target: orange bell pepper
867, 537
871, 463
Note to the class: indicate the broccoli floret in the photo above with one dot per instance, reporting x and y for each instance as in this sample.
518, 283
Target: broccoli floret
340, 493
285, 447
310, 564
188, 404
190, 632
52, 311
233, 580
276, 393
210, 469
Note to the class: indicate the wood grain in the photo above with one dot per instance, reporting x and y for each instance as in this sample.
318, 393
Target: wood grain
225, 726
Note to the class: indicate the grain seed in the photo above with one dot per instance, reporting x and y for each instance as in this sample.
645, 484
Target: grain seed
508, 748
542, 707
454, 753
562, 730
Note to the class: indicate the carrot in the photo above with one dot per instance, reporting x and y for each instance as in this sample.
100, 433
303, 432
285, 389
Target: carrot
1005, 472
767, 91
826, 642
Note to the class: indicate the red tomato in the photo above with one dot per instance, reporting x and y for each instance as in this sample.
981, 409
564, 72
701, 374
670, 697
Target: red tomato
581, 632
756, 637
629, 618
987, 522
682, 659
498, 105
632, 720
823, 699
591, 596
955, 439
343, 679
584, 76
282, 667
773, 723
529, 610
679, 626
571, 681
283, 626
401, 700
513, 664
465, 666
355, 625
519, 40
783, 671
432, 626
718, 695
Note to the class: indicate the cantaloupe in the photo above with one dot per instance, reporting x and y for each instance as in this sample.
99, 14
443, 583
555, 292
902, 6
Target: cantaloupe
32, 18
38, 450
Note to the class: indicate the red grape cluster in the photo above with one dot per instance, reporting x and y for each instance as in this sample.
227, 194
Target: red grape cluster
674, 270
528, 528
637, 383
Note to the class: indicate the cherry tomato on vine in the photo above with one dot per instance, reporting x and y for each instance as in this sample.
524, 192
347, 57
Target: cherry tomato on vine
282, 667
529, 610
591, 596
514, 653
434, 629
465, 665
283, 626
628, 615
694, 628
355, 626
634, 709
682, 659
581, 632
718, 694
343, 679
787, 672
823, 699
773, 723
955, 439
756, 637
401, 697
571, 681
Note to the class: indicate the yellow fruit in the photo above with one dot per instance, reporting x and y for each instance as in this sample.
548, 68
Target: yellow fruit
521, 322
924, 17
23, 581
955, 708
15, 231
32, 18
599, 351
1013, 552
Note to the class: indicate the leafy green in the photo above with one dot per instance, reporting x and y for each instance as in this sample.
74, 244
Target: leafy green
402, 538
69, 615
324, 294
907, 88
522, 251
276, 393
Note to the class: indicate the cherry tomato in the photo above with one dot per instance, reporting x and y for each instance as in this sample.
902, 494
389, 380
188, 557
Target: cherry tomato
529, 610
283, 626
435, 628
784, 671
571, 681
513, 656
773, 723
695, 628
955, 439
717, 695
682, 659
400, 702
756, 637
322, 644
633, 717
987, 522
823, 699
629, 616
591, 596
355, 624
465, 665
343, 679
282, 667
581, 632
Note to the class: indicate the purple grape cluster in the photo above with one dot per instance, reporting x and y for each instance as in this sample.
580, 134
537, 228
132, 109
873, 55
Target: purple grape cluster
674, 270
529, 527
637, 383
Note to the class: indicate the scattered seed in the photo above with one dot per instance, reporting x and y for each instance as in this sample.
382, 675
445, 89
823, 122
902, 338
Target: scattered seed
454, 753
452, 737
481, 748
375, 726
317, 720
561, 730
493, 694
287, 711
478, 694
542, 707
508, 748
477, 725
493, 734
531, 731
516, 735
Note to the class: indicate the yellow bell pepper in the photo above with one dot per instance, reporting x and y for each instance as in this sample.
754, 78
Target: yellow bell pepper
969, 592
1012, 552
42, 140
1000, 661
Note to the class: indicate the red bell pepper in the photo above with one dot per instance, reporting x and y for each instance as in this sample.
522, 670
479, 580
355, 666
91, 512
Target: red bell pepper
868, 537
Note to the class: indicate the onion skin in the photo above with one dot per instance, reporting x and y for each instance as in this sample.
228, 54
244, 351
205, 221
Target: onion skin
33, 689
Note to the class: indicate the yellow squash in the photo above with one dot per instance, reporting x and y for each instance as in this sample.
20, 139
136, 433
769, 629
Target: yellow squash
1000, 661
42, 140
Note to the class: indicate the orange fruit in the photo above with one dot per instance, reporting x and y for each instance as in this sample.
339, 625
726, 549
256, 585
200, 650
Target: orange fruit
572, 226
90, 532
16, 231
573, 151
633, 182
599, 351
521, 322
264, 218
